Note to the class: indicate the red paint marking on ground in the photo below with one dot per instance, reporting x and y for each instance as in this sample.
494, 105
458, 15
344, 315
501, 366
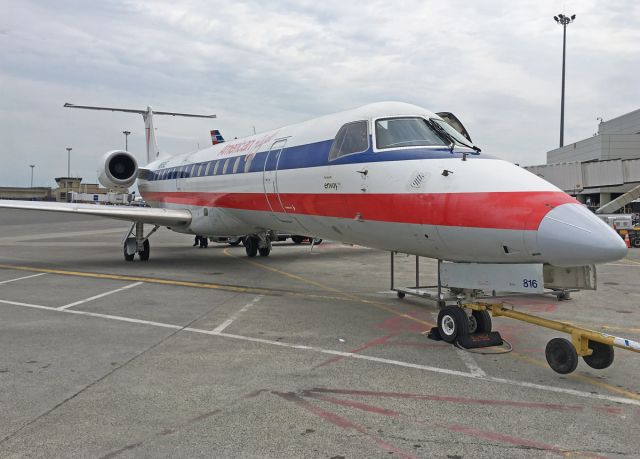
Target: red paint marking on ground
367, 345
399, 324
354, 404
204, 416
463, 400
609, 410
496, 436
255, 393
419, 344
342, 423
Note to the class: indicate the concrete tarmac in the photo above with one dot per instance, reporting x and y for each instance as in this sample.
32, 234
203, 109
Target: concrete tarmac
206, 353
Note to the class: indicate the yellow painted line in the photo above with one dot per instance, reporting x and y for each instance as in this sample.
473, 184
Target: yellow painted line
580, 377
346, 295
178, 283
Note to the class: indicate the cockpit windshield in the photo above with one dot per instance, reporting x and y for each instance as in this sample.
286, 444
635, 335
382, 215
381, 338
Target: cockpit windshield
406, 132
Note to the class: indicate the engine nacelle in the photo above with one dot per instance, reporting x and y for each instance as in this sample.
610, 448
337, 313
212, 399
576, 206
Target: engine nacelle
118, 169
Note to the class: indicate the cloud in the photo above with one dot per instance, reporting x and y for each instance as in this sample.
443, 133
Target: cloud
494, 63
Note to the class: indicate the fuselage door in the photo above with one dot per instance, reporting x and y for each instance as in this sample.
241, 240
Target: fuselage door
270, 181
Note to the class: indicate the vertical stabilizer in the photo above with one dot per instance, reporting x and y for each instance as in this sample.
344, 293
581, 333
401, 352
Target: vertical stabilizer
216, 137
150, 132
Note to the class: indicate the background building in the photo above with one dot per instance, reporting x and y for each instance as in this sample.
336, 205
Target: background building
601, 168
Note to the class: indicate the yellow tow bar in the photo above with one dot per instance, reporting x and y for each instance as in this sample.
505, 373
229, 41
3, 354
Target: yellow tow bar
559, 352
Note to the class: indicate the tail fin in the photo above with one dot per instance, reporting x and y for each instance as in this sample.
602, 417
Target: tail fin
216, 137
147, 115
150, 136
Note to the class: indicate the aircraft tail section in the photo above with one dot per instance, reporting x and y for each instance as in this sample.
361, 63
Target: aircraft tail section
216, 137
150, 134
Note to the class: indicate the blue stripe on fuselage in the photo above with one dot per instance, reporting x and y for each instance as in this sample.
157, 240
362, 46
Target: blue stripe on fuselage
317, 154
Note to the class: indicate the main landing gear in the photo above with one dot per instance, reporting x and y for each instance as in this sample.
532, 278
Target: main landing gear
258, 243
135, 241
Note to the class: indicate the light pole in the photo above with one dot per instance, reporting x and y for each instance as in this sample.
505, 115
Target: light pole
32, 166
69, 161
563, 20
126, 143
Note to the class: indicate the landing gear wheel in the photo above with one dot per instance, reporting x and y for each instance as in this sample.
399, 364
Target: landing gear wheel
636, 243
128, 257
561, 356
400, 294
264, 251
479, 322
251, 246
146, 251
234, 242
602, 355
452, 323
297, 239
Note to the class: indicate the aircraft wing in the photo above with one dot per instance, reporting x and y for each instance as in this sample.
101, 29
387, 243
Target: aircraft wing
161, 217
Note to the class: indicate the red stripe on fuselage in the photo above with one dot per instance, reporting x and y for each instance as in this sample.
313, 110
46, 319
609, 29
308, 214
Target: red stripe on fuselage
500, 210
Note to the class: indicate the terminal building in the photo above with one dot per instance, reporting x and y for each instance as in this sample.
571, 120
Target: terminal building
602, 168
70, 189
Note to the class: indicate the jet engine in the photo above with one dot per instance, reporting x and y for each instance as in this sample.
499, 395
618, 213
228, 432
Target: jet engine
117, 169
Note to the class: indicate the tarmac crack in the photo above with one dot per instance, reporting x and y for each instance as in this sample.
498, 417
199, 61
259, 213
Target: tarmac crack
109, 373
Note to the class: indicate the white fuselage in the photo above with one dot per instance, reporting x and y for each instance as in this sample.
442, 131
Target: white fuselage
425, 200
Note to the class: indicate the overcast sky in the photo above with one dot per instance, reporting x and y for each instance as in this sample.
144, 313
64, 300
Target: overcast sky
496, 64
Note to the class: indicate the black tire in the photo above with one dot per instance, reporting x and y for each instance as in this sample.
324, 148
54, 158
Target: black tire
316, 241
264, 251
297, 239
602, 356
453, 323
480, 322
146, 251
234, 243
636, 243
561, 356
128, 257
401, 295
251, 246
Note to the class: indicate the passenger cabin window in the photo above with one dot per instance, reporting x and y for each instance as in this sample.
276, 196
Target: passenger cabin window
351, 138
247, 162
405, 132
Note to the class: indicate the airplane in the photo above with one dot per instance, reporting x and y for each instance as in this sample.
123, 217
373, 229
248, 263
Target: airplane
389, 175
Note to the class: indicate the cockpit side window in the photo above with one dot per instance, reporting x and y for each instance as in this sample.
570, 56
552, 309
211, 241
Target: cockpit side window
351, 138
406, 132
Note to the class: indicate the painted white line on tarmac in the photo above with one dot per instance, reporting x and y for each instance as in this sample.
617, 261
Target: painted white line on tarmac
21, 278
490, 379
470, 363
230, 320
102, 295
16, 303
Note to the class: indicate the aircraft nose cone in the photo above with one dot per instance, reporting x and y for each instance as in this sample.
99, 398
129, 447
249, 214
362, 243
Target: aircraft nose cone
570, 235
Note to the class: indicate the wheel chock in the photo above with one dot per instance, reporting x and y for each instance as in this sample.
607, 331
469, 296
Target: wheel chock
477, 340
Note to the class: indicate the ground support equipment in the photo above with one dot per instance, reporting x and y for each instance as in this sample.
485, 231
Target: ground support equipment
595, 348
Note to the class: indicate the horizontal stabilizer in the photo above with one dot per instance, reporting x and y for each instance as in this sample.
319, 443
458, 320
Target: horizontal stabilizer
161, 217
141, 112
